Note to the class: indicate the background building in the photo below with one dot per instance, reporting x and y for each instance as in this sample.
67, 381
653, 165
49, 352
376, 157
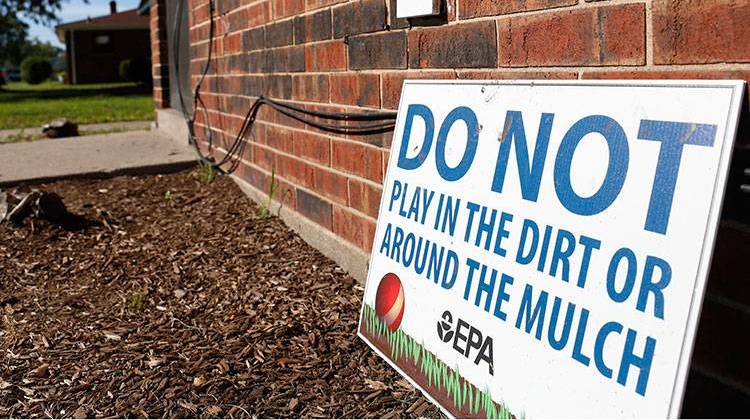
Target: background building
339, 55
95, 47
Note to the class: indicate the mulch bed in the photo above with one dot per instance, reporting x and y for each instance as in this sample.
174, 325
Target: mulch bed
174, 298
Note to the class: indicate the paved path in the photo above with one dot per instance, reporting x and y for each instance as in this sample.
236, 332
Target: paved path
132, 152
83, 129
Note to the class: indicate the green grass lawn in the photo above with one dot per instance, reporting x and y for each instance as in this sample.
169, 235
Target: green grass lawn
23, 105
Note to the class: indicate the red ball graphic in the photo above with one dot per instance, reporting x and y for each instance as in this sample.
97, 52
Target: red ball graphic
389, 301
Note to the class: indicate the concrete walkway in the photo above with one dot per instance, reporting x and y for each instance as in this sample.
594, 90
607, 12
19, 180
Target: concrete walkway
133, 152
84, 129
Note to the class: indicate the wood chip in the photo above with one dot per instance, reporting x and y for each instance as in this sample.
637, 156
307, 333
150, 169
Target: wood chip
182, 312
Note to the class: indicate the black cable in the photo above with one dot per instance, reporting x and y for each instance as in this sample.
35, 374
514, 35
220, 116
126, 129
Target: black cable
367, 116
354, 130
190, 120
382, 121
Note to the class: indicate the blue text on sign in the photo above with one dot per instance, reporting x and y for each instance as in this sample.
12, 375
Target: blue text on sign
673, 136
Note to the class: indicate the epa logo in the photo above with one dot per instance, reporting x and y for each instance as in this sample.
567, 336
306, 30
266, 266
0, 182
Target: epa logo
466, 339
445, 327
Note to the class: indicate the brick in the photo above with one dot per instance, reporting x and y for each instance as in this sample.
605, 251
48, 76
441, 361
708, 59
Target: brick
386, 158
303, 126
200, 14
313, 27
266, 114
201, 34
286, 121
622, 34
668, 74
380, 51
356, 89
393, 21
286, 193
257, 134
312, 147
701, 31
381, 139
359, 17
286, 8
286, 59
257, 61
246, 153
220, 66
233, 43
279, 86
279, 34
315, 208
223, 26
353, 228
364, 197
515, 75
325, 56
331, 185
358, 159
237, 19
253, 85
608, 35
455, 46
236, 63
393, 82
254, 176
263, 157
226, 6
295, 170
311, 87
477, 8
256, 15
229, 84
317, 4
280, 139
254, 39
199, 51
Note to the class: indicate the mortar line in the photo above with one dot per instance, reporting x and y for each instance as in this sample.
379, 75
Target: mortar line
307, 189
314, 164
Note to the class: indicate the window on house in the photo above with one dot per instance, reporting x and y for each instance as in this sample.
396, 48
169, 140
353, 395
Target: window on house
102, 44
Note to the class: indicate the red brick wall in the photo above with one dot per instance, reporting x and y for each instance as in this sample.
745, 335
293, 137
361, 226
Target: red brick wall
353, 55
159, 53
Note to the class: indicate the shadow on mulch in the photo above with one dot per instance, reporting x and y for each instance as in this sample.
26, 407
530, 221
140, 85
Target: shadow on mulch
181, 303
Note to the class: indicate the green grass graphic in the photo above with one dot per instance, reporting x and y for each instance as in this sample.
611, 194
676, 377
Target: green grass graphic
466, 397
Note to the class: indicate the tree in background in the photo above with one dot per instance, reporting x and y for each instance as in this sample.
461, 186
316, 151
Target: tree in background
15, 44
35, 70
41, 11
13, 38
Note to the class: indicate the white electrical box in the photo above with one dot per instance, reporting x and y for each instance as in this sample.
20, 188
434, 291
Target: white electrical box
416, 8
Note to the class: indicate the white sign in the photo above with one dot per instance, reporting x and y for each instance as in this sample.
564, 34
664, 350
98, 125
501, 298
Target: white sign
542, 247
416, 8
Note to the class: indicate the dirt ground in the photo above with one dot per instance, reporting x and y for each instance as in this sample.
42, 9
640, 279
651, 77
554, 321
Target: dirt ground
173, 298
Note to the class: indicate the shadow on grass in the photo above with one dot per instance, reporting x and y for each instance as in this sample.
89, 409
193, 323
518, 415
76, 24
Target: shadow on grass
13, 95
